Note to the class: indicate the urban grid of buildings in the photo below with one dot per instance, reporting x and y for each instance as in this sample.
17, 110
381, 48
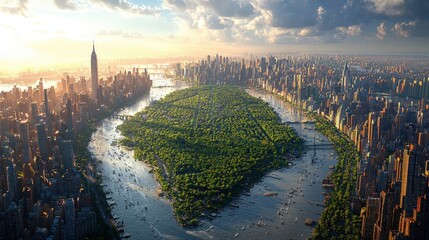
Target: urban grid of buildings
381, 104
43, 195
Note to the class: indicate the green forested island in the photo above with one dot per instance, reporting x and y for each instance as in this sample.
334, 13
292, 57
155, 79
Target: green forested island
207, 143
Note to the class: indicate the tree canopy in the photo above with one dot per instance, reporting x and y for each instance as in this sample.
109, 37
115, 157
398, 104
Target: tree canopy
207, 143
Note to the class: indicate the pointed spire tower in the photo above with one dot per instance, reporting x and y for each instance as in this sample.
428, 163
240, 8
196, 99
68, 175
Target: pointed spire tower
346, 79
94, 73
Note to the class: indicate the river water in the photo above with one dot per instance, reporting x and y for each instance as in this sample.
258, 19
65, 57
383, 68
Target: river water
251, 216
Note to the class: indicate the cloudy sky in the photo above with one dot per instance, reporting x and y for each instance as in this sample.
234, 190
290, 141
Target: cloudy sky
52, 31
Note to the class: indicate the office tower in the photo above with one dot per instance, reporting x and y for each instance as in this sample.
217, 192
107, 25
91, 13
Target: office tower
263, 65
12, 182
70, 220
48, 115
40, 90
34, 112
346, 79
69, 120
384, 222
94, 73
369, 217
372, 129
409, 180
25, 137
42, 142
425, 89
67, 155
298, 80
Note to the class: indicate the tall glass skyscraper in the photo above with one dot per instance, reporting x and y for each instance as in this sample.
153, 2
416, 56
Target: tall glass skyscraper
94, 73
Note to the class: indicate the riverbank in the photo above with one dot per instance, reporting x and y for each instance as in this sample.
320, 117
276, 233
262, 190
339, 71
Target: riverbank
88, 167
233, 139
131, 185
337, 219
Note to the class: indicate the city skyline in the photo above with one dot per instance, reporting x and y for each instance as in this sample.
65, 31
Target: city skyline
123, 149
37, 30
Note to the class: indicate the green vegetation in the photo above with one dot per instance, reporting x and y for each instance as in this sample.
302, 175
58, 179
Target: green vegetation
337, 220
207, 143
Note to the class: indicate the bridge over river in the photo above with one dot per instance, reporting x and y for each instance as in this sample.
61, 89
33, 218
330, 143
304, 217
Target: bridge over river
122, 117
300, 122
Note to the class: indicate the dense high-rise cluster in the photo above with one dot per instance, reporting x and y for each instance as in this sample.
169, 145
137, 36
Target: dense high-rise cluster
44, 194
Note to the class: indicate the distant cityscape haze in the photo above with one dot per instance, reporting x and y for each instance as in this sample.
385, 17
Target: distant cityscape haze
46, 32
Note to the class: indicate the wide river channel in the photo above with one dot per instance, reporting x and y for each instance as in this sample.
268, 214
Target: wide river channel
253, 215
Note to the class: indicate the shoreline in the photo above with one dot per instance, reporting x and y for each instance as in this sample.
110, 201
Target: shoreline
345, 157
158, 176
86, 157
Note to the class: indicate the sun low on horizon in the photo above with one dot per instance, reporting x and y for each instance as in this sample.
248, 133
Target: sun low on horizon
45, 32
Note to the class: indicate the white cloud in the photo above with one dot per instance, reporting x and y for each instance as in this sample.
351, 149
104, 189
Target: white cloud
388, 7
353, 30
403, 29
304, 32
127, 6
320, 12
66, 4
381, 31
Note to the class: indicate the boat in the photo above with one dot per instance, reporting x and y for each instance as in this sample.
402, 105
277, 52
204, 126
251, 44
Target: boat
111, 203
270, 194
327, 183
120, 224
310, 222
126, 235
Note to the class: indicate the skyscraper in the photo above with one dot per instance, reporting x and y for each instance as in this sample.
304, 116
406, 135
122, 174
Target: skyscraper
298, 80
42, 142
409, 179
346, 79
48, 115
12, 184
66, 149
25, 137
40, 90
34, 112
94, 73
69, 121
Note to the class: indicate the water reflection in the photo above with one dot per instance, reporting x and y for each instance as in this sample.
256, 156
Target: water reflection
251, 216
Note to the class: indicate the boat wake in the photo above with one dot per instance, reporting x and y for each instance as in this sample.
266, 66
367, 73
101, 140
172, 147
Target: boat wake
200, 234
138, 189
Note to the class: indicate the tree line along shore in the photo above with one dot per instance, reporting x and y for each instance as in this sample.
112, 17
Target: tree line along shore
207, 143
